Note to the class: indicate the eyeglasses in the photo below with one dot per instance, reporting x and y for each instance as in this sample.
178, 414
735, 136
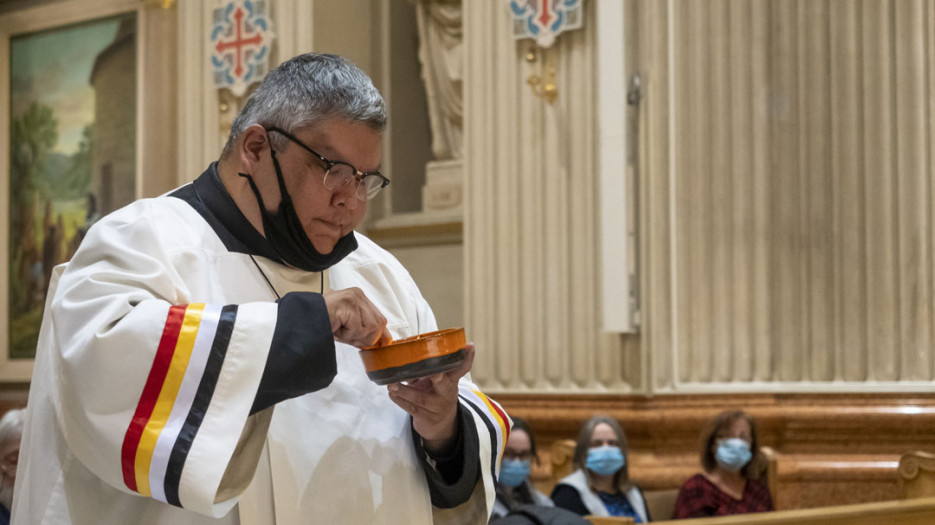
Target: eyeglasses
721, 437
339, 174
515, 454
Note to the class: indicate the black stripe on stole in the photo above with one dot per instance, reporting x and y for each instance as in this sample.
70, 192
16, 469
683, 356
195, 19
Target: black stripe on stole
200, 404
491, 431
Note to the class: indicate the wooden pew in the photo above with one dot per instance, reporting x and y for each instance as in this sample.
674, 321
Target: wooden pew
900, 512
609, 520
562, 457
660, 502
834, 449
917, 474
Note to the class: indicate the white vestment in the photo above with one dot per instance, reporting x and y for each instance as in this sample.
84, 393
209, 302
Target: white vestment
151, 353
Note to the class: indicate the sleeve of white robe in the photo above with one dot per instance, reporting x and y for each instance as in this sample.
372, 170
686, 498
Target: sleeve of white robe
156, 389
469, 499
485, 429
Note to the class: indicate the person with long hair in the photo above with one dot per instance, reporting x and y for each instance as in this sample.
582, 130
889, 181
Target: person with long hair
730, 482
600, 485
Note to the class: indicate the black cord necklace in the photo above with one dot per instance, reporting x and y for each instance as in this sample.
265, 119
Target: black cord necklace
271, 287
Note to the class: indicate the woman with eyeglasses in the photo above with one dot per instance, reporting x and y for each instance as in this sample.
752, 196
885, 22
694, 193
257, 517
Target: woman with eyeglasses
601, 484
514, 487
732, 463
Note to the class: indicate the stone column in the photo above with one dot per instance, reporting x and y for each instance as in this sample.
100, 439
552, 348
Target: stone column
532, 222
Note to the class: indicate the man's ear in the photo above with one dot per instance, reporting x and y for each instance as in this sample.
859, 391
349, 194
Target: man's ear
253, 143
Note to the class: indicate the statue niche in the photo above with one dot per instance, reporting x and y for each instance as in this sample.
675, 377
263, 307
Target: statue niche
441, 56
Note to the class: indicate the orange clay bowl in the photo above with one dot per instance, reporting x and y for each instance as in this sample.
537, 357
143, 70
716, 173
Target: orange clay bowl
414, 357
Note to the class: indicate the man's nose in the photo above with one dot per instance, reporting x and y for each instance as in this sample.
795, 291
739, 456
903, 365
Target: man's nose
346, 196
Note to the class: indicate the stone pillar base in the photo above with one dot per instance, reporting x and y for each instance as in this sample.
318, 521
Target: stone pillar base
444, 186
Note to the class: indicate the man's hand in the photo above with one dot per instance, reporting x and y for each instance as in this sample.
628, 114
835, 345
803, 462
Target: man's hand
354, 319
433, 403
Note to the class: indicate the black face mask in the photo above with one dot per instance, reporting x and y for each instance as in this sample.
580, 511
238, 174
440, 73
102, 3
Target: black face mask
285, 233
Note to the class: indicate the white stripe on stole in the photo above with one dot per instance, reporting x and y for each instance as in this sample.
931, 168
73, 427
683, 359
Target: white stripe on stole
183, 401
472, 396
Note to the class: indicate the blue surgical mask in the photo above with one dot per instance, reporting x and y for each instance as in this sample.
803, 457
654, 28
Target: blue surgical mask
605, 460
732, 454
513, 472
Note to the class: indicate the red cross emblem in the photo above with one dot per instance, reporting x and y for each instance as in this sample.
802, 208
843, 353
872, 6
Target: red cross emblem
241, 37
239, 42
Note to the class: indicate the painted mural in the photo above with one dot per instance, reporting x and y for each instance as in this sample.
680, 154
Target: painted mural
72, 152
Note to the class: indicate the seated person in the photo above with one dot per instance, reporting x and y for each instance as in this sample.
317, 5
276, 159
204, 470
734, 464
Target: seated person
513, 486
731, 460
600, 485
11, 431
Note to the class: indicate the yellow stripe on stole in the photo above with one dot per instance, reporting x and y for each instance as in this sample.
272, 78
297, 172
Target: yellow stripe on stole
496, 416
167, 395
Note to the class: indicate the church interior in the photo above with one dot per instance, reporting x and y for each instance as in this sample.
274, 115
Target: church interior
658, 211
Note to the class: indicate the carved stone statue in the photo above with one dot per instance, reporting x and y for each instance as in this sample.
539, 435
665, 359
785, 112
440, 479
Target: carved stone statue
441, 55
440, 52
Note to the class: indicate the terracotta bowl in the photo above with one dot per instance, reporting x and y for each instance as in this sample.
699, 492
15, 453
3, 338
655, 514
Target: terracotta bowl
414, 357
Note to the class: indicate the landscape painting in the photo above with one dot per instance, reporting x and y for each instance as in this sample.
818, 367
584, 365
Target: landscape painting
72, 122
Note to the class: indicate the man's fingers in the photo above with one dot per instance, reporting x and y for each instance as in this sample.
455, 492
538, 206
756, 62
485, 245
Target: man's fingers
429, 382
411, 398
466, 365
446, 382
432, 401
354, 319
432, 393
384, 338
404, 404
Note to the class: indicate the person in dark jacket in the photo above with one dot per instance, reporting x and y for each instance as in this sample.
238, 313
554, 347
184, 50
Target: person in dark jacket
601, 484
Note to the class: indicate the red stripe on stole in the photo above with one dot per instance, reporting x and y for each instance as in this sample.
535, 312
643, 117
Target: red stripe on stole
506, 421
144, 409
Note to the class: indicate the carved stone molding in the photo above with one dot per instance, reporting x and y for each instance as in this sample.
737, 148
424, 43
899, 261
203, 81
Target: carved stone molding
917, 474
910, 464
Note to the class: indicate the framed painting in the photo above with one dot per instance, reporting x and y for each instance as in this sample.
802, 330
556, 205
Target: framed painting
68, 149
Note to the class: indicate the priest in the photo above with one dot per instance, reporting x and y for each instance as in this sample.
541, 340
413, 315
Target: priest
198, 358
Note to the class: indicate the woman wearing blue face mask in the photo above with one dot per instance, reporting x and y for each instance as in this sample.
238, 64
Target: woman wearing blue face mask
730, 482
601, 485
513, 485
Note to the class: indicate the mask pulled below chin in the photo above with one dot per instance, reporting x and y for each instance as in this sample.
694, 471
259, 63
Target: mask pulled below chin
287, 237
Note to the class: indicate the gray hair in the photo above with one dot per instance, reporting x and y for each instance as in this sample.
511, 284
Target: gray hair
305, 90
11, 425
